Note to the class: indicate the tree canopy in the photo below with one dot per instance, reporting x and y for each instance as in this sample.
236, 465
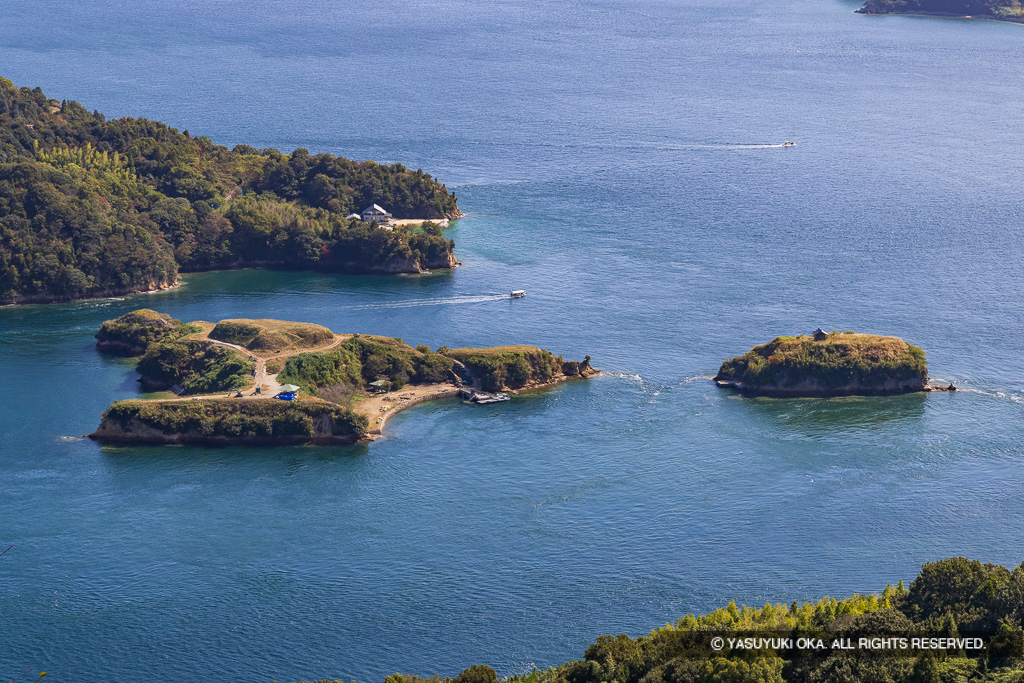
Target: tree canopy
94, 207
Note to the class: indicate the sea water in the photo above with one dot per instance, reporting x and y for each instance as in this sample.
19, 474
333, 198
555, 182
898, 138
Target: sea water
619, 161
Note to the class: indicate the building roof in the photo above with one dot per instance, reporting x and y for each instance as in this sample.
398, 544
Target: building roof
380, 383
288, 388
353, 215
376, 207
819, 331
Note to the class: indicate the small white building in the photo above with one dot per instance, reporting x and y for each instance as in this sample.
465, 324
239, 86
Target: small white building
376, 212
354, 216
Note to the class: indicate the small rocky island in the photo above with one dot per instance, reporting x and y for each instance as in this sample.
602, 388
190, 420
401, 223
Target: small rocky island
829, 364
1004, 10
276, 382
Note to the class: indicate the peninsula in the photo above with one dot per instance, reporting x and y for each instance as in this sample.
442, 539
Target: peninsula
1003, 10
277, 382
93, 207
828, 364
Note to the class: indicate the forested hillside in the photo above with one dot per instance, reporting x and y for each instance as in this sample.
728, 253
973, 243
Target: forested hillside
1010, 10
950, 599
92, 207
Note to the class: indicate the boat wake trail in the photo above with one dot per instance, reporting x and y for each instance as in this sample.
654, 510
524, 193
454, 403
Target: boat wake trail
991, 393
620, 375
444, 301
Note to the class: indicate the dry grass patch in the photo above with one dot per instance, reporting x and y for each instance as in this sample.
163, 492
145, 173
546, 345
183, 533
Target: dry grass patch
271, 335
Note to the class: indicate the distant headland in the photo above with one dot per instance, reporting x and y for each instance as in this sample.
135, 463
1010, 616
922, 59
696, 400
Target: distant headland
276, 382
829, 364
1002, 10
92, 207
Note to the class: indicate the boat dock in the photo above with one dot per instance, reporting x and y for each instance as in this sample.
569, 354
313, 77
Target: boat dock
481, 397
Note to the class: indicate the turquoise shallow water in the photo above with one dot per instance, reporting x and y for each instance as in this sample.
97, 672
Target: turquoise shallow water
615, 161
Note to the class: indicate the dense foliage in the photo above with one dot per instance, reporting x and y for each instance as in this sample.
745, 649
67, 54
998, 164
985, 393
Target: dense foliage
363, 359
133, 332
239, 419
845, 359
949, 598
92, 207
271, 335
1002, 9
510, 367
197, 367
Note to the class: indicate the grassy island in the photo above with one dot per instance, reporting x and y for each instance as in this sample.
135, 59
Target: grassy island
1005, 10
91, 206
828, 364
953, 599
348, 384
131, 334
230, 422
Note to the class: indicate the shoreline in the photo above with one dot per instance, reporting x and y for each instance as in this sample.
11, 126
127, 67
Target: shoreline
41, 299
377, 430
946, 15
761, 392
379, 420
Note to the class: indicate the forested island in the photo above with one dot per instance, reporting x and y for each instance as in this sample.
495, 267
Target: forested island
1006, 10
828, 364
223, 379
96, 207
953, 599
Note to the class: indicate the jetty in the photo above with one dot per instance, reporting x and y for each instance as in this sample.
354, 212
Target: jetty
481, 397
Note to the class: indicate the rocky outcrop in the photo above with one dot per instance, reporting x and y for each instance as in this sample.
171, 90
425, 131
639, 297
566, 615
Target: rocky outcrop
132, 333
573, 368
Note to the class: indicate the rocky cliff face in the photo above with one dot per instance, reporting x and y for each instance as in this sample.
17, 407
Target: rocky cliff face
791, 387
400, 265
137, 431
153, 286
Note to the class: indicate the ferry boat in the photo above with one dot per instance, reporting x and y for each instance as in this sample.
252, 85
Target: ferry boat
518, 293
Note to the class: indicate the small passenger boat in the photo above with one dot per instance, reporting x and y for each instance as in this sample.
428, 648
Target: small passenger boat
518, 293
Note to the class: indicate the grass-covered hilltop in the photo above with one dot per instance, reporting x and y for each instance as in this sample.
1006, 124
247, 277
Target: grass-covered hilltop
956, 599
98, 207
828, 364
347, 384
1007, 10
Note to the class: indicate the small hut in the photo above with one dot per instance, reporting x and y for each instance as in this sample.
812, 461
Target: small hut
819, 335
380, 386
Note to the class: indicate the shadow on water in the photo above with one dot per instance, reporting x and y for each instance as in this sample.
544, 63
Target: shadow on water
159, 456
828, 417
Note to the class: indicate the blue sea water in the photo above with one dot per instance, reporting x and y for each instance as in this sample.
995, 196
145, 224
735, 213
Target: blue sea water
620, 162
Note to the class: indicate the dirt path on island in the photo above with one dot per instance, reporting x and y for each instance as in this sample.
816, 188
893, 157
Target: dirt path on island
268, 385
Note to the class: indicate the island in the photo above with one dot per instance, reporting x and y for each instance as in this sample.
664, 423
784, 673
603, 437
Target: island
1003, 10
957, 621
93, 207
273, 382
829, 364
